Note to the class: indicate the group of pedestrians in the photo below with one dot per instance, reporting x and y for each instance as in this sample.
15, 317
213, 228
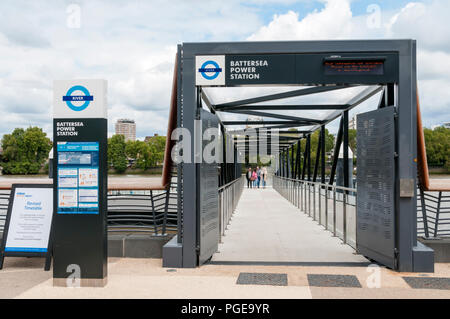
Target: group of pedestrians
256, 177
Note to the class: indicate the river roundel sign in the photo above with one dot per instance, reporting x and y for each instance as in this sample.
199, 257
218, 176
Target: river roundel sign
77, 94
210, 70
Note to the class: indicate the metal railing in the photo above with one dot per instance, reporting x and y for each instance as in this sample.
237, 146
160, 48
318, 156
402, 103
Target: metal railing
229, 196
147, 211
433, 214
333, 207
153, 211
4, 200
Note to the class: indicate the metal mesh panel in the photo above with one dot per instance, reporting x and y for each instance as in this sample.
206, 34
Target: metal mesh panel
375, 180
208, 201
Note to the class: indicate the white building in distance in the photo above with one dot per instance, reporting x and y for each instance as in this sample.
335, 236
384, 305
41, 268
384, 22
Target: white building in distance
126, 128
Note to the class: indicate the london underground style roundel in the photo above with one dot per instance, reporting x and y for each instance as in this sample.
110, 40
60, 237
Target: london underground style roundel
210, 70
78, 98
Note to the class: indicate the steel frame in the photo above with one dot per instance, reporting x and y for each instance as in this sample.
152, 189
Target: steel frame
406, 139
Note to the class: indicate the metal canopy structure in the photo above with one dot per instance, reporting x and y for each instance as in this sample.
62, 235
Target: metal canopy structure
272, 119
282, 81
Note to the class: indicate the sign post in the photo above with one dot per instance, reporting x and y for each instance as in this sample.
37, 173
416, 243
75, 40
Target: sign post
28, 223
80, 183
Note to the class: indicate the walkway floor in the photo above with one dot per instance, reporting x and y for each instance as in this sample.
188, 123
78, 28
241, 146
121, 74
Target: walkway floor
268, 228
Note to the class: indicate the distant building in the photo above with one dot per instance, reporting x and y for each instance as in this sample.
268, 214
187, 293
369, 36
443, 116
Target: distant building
126, 128
352, 122
253, 118
148, 138
445, 125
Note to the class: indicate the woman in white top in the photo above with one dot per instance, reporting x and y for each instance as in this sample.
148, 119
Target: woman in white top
264, 176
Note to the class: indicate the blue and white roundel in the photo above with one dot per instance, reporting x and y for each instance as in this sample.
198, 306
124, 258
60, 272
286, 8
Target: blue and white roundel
210, 70
73, 101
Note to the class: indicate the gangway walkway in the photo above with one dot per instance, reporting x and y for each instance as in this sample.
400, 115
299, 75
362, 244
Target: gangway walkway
268, 228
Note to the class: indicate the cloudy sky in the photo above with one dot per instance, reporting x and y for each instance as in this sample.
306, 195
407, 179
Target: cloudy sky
132, 44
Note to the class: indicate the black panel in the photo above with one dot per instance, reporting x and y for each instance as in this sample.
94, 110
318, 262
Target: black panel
311, 69
81, 238
208, 197
375, 231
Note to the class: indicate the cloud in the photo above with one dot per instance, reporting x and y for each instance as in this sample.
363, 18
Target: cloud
332, 22
425, 22
132, 44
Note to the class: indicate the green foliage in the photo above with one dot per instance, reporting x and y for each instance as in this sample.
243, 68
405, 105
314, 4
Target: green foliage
143, 155
437, 143
329, 144
116, 153
352, 140
25, 151
157, 146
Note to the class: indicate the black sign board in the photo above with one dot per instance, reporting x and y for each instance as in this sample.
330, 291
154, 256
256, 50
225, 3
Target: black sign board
257, 69
80, 197
311, 69
28, 226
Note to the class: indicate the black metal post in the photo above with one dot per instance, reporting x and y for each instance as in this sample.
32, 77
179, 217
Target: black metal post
319, 147
304, 161
346, 167
322, 153
308, 145
337, 149
292, 162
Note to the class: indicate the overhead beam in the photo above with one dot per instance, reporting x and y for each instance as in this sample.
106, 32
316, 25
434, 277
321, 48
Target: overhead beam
298, 123
278, 116
284, 95
355, 101
295, 107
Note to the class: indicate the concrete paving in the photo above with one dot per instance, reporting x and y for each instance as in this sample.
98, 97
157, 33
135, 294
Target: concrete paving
145, 278
268, 228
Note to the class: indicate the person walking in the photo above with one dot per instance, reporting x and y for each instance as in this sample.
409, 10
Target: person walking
254, 177
248, 176
258, 174
264, 176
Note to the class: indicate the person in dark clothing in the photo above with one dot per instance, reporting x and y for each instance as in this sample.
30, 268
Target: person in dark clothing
248, 175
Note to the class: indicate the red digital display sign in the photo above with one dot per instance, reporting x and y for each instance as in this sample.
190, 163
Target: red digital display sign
345, 67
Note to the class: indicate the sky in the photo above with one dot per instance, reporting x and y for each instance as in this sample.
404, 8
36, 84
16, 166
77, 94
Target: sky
132, 44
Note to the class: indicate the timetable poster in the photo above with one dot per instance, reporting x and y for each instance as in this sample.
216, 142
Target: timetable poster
78, 178
31, 220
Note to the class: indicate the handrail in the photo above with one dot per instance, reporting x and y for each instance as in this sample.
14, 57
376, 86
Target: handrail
349, 189
312, 198
425, 183
230, 183
229, 195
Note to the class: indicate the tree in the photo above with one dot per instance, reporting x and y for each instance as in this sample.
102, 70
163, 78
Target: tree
145, 159
329, 144
437, 144
132, 149
141, 153
116, 153
25, 151
157, 146
352, 140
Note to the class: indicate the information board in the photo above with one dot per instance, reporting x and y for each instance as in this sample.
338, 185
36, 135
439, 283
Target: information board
28, 222
78, 177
